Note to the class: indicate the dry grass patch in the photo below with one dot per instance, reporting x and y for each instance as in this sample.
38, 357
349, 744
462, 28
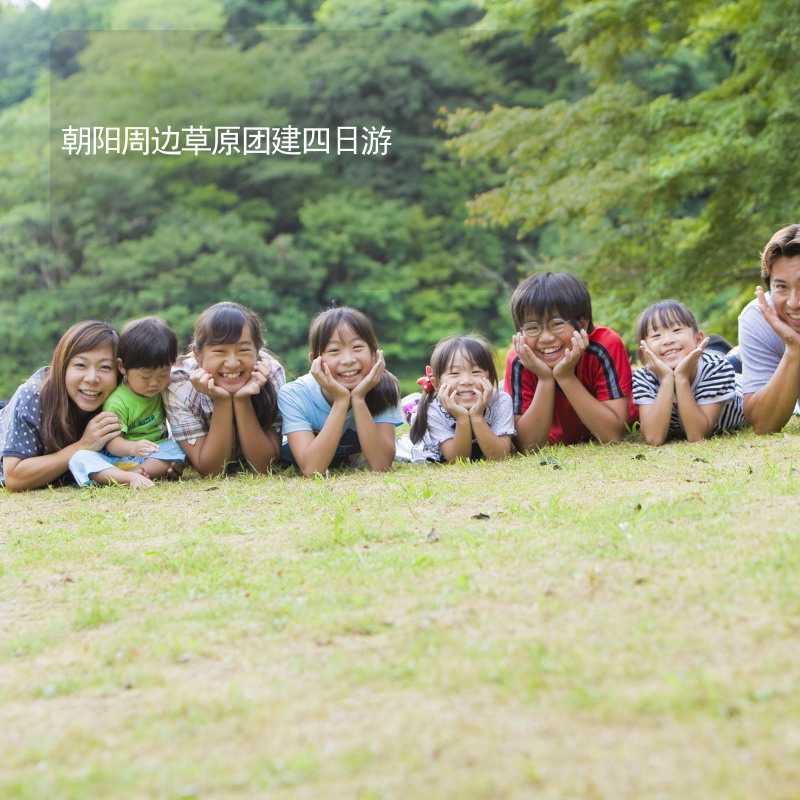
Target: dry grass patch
587, 622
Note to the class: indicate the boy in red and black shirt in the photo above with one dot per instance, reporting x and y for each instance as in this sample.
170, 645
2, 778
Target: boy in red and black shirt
568, 380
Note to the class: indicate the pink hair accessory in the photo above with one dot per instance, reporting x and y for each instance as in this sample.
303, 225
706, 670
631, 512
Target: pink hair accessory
425, 381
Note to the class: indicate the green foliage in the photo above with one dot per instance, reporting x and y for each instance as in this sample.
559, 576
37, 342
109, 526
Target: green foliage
33, 39
668, 176
19, 65
125, 236
640, 145
242, 15
150, 14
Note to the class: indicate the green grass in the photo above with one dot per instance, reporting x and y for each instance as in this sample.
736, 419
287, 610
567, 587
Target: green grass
593, 622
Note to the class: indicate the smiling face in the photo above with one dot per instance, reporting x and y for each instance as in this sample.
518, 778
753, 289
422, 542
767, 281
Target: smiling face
549, 338
784, 289
466, 376
230, 365
672, 341
90, 377
147, 381
347, 356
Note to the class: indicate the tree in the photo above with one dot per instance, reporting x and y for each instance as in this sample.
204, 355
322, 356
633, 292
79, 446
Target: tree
671, 172
120, 236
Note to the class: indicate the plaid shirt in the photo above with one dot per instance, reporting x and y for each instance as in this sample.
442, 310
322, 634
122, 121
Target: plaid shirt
189, 411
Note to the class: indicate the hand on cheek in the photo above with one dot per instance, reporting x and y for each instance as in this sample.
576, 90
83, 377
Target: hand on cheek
372, 378
577, 346
204, 383
331, 388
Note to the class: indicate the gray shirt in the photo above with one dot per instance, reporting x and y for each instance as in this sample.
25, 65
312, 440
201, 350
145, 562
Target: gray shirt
21, 421
760, 347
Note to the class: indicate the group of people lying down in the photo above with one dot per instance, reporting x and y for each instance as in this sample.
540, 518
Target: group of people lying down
128, 409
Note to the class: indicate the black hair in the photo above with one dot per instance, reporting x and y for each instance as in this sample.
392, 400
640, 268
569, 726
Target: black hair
147, 343
387, 393
552, 294
475, 349
784, 243
223, 323
719, 343
663, 314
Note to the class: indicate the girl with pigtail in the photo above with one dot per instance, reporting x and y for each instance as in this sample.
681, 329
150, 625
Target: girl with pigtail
462, 412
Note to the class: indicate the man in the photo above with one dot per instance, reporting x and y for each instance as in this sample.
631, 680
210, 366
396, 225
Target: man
769, 336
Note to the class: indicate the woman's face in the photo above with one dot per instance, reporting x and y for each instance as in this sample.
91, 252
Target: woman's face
230, 365
91, 376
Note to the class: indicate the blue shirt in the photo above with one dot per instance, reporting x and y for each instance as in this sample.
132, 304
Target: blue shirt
303, 407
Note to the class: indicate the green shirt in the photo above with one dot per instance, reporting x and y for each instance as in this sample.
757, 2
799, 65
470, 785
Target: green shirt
139, 417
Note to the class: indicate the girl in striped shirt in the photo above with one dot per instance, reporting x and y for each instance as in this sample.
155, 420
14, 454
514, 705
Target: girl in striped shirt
683, 390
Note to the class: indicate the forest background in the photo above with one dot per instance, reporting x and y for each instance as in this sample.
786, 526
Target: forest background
648, 147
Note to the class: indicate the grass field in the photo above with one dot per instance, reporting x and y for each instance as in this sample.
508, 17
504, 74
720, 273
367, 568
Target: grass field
590, 622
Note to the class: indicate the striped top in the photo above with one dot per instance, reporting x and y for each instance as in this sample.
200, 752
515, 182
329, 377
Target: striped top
715, 382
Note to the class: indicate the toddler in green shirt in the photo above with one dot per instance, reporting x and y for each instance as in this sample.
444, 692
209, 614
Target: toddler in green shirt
147, 350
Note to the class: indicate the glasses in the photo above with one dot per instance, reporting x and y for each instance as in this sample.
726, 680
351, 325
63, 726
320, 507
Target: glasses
556, 326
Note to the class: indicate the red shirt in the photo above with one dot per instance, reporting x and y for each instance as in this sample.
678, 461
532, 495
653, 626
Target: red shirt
604, 369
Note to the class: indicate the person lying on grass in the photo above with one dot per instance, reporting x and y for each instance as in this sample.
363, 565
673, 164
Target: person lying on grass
569, 380
146, 352
56, 412
769, 336
462, 413
683, 390
346, 407
222, 399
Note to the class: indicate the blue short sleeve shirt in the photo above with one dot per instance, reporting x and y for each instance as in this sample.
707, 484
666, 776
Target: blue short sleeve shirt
303, 407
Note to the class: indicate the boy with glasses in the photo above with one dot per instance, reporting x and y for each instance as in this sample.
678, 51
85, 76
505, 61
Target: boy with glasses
569, 381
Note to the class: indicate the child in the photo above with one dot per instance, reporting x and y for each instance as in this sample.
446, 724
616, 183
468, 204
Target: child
145, 354
462, 413
568, 380
347, 404
684, 390
222, 401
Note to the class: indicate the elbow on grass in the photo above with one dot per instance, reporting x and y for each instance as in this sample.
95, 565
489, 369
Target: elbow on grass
209, 470
14, 484
526, 448
382, 466
763, 428
612, 438
761, 423
502, 455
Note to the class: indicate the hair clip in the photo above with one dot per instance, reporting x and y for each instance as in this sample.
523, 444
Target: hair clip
425, 381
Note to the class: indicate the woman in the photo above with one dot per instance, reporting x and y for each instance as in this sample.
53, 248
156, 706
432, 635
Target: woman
54, 413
